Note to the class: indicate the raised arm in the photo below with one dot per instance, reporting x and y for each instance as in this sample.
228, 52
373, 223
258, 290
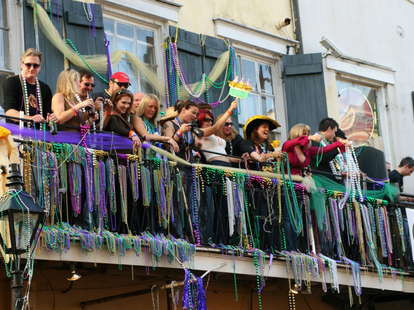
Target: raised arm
220, 122
289, 145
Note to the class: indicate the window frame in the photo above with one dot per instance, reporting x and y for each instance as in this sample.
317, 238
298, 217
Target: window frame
275, 63
139, 20
382, 102
6, 32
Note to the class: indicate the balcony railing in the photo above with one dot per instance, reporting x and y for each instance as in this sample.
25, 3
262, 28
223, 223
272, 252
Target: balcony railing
101, 199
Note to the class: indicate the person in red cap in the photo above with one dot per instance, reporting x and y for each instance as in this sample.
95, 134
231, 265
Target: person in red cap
118, 81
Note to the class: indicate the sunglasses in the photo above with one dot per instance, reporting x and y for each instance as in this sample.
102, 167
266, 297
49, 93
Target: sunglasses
228, 124
125, 85
89, 85
29, 65
208, 120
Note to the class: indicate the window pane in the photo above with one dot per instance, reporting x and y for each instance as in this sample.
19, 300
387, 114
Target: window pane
248, 71
265, 78
249, 107
268, 106
146, 53
358, 111
3, 44
145, 35
125, 45
109, 25
2, 15
125, 30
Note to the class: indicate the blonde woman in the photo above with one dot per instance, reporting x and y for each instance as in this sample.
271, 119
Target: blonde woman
67, 108
145, 121
300, 151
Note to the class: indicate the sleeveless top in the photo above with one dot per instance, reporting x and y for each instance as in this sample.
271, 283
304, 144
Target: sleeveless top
75, 121
215, 144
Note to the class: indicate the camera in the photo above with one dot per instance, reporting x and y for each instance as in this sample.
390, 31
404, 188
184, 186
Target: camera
196, 130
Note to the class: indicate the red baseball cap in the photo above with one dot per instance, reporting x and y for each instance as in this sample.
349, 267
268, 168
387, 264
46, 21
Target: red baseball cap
120, 77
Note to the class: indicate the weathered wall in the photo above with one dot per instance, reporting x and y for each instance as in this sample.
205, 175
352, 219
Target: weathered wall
378, 31
197, 15
104, 280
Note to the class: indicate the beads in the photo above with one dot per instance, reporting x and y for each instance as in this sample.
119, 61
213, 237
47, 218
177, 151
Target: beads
26, 97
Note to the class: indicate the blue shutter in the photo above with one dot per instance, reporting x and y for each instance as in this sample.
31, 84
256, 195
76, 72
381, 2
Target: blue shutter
304, 89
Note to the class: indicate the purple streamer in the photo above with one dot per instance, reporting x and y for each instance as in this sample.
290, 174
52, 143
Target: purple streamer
201, 296
108, 58
100, 141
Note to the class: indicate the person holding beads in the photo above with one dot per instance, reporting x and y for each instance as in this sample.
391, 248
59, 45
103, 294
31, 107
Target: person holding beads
25, 96
67, 107
257, 133
300, 150
145, 121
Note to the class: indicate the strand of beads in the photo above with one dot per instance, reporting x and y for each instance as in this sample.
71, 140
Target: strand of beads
26, 97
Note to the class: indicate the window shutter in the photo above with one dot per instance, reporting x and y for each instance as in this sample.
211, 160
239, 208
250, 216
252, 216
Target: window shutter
304, 89
196, 58
52, 62
79, 31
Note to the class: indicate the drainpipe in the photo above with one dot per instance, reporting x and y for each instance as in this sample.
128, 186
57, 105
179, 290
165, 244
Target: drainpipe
294, 4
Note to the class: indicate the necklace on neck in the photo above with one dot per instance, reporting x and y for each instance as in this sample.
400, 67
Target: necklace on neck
39, 107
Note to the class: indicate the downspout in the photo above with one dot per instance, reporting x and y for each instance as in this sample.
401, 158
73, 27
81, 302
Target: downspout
294, 4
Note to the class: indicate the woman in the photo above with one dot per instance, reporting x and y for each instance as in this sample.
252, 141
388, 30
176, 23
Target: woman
234, 142
213, 146
301, 152
178, 126
257, 133
145, 121
117, 119
67, 108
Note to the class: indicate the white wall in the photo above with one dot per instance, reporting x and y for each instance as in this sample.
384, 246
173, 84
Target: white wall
370, 30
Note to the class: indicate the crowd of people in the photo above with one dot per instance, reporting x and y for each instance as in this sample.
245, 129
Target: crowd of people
189, 130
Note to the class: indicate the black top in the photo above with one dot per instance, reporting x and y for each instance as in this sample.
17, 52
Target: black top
249, 147
320, 163
396, 177
236, 146
13, 96
119, 125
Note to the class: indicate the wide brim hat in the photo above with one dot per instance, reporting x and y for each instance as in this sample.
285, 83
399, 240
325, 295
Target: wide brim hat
255, 121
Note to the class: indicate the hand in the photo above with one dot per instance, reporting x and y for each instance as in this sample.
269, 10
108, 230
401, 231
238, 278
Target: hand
344, 141
52, 118
316, 137
233, 106
88, 103
277, 154
37, 118
136, 142
245, 156
185, 128
174, 145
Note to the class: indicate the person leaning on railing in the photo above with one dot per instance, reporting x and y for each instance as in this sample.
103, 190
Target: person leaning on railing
145, 121
177, 124
300, 150
257, 134
67, 107
25, 93
117, 116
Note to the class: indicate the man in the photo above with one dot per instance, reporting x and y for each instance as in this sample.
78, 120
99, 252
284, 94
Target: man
24, 95
405, 168
87, 83
323, 164
118, 81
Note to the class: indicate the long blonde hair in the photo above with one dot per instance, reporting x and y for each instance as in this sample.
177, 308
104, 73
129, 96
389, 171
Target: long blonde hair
299, 130
68, 83
144, 103
220, 133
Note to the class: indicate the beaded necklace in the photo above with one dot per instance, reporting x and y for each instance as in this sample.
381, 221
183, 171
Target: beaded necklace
39, 107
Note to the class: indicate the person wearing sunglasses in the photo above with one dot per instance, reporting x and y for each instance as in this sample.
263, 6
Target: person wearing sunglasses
25, 96
234, 142
118, 81
86, 84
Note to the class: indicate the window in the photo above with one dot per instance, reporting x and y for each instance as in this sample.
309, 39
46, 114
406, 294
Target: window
262, 99
358, 111
3, 36
136, 39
